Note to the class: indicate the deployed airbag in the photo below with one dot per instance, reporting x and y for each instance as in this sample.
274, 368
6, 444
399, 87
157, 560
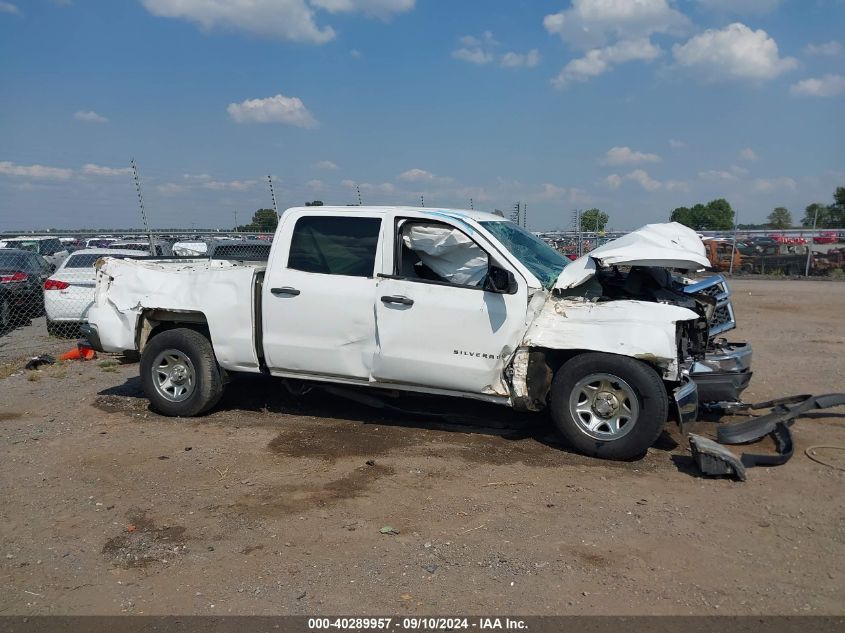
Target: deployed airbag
448, 252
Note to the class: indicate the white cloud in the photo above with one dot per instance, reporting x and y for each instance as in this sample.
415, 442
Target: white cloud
613, 181
677, 144
283, 19
741, 6
552, 192
384, 188
229, 185
520, 60
315, 185
747, 154
601, 60
592, 23
718, 174
645, 181
476, 50
642, 178
825, 86
378, 8
89, 116
98, 170
171, 189
355, 53
8, 7
325, 165
278, 109
829, 49
627, 156
734, 52
9, 168
763, 185
417, 175
733, 174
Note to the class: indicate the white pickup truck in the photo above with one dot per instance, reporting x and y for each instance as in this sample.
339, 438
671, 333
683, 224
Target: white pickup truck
441, 301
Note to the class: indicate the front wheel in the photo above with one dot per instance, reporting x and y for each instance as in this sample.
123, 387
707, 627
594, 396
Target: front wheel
608, 406
179, 373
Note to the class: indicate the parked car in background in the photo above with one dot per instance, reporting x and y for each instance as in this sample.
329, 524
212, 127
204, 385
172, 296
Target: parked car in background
192, 248
828, 237
162, 249
240, 250
99, 242
69, 292
21, 274
50, 248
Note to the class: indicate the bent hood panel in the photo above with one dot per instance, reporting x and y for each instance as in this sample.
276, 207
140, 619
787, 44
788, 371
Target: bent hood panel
669, 245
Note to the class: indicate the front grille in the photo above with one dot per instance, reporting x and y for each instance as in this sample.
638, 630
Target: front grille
717, 288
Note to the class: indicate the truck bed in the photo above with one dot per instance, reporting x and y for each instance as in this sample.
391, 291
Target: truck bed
221, 292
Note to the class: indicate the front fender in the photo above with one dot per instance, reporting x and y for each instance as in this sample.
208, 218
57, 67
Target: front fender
639, 329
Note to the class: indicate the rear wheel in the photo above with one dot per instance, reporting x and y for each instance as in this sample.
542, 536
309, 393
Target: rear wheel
179, 373
608, 406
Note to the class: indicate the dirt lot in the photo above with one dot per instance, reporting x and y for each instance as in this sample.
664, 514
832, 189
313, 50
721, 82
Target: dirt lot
274, 504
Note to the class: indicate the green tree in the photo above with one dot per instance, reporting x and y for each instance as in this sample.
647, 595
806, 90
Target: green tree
314, 203
817, 214
266, 220
780, 218
716, 215
594, 220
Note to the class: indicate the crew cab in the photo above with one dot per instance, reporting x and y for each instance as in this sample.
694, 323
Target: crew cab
440, 301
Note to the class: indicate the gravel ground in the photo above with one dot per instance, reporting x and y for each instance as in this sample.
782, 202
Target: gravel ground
276, 504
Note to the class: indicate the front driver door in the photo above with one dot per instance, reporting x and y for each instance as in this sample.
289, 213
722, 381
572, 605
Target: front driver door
437, 326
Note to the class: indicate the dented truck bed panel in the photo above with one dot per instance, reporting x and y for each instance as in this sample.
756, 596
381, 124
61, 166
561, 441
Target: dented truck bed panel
220, 291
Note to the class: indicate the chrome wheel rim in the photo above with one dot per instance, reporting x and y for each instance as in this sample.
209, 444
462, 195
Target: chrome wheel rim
604, 406
173, 375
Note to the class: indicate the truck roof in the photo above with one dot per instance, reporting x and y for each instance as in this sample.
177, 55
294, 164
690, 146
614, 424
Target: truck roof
478, 216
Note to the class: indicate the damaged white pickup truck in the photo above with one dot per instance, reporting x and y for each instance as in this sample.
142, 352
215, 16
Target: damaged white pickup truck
440, 301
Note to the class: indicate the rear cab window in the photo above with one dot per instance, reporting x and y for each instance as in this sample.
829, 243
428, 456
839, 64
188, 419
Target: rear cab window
334, 245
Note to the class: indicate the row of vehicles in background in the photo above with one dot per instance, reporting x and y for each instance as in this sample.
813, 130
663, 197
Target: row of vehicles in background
55, 277
776, 254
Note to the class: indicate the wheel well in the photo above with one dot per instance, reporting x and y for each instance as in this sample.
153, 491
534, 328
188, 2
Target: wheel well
543, 364
154, 322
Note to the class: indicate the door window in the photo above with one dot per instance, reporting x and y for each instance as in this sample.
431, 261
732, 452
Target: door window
335, 245
431, 251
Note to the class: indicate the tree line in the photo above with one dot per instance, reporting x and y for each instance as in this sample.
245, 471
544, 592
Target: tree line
718, 215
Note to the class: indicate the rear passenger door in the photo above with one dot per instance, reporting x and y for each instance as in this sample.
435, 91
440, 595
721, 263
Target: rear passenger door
319, 293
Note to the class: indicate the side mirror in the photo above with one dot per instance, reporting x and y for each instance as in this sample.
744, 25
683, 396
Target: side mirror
500, 280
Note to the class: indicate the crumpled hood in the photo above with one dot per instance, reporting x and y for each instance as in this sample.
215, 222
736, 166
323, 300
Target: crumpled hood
668, 245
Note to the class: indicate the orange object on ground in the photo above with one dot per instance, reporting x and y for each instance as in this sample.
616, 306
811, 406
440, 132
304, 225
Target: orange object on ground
82, 352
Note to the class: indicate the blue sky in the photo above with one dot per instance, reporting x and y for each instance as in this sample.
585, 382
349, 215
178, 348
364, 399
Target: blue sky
634, 106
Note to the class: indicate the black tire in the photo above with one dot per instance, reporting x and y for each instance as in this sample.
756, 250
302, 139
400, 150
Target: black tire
648, 400
53, 329
5, 314
196, 348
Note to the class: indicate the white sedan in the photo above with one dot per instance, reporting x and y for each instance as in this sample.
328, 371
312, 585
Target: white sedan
69, 292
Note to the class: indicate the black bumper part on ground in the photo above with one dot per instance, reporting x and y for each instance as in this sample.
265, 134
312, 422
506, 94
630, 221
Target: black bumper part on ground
714, 459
